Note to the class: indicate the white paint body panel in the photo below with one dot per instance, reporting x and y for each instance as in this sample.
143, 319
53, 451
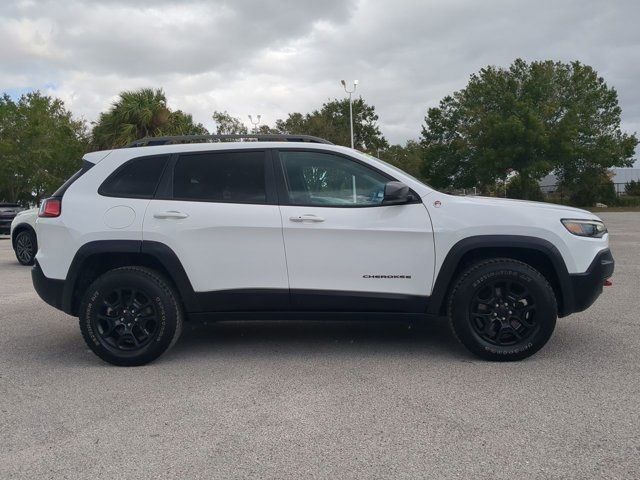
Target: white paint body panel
337, 253
83, 219
458, 218
222, 245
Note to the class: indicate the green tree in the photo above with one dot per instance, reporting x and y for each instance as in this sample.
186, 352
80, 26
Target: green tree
532, 118
139, 114
592, 189
408, 157
632, 188
228, 125
331, 122
181, 123
41, 145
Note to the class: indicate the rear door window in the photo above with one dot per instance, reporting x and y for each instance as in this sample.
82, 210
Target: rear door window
231, 177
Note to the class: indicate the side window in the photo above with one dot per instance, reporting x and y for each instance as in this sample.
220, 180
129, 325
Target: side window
322, 179
233, 177
138, 178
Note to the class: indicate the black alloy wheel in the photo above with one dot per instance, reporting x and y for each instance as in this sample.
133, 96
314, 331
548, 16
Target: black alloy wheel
127, 320
503, 313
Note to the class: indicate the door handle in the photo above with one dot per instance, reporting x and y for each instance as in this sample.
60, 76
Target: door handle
307, 218
170, 214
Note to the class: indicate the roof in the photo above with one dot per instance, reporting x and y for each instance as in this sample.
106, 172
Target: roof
95, 157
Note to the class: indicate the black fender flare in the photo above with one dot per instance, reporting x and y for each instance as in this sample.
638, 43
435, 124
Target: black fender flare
160, 252
459, 250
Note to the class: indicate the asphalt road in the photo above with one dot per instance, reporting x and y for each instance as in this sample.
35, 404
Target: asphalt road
314, 400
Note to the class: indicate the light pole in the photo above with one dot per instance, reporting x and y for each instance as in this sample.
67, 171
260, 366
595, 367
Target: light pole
355, 85
255, 124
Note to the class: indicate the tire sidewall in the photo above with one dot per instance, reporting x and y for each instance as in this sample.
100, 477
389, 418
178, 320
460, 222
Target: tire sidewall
163, 301
546, 310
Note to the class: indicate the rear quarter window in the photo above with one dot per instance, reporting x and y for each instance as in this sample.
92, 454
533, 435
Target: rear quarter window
137, 178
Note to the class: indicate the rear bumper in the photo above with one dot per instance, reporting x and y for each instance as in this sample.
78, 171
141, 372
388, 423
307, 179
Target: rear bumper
49, 290
586, 287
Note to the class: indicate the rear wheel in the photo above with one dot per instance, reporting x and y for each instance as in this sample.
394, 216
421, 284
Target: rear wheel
26, 247
502, 309
130, 316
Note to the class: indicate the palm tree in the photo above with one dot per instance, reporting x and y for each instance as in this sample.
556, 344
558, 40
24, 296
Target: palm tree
138, 114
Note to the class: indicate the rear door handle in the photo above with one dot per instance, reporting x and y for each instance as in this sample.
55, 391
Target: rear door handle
307, 218
170, 214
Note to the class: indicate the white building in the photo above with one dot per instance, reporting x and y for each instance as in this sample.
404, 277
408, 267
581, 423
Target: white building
621, 176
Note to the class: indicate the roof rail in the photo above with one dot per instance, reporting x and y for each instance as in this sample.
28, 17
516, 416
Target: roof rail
166, 140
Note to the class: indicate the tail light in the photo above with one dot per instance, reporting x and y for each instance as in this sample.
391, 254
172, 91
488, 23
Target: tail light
51, 207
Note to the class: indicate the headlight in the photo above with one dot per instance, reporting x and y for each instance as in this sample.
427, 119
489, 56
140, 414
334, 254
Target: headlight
585, 228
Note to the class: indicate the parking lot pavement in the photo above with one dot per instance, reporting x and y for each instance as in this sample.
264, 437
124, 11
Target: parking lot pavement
324, 400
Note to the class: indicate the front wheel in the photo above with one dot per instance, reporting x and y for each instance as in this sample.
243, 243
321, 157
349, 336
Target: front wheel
502, 309
130, 316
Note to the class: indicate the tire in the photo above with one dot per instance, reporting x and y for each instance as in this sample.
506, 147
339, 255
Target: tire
26, 247
130, 316
502, 310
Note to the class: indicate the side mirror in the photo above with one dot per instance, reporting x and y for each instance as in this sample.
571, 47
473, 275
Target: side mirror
396, 193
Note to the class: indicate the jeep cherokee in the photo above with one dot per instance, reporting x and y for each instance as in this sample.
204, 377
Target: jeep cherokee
144, 238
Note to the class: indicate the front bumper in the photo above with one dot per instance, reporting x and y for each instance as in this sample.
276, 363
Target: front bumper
586, 287
49, 290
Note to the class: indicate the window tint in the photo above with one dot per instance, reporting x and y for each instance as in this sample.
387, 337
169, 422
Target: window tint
322, 179
234, 177
138, 178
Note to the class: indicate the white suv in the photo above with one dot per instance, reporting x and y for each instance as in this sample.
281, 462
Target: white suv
143, 238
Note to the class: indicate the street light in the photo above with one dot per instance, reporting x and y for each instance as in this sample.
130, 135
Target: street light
255, 124
355, 85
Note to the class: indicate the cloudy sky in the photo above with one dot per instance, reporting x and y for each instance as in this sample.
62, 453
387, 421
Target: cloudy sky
274, 57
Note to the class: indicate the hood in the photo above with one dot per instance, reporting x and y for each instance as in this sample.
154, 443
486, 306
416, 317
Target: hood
30, 211
509, 202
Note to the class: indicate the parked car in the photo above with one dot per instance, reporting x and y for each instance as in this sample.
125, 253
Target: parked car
23, 236
8, 211
144, 238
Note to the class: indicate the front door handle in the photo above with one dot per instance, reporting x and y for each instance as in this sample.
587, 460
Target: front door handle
170, 214
307, 218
